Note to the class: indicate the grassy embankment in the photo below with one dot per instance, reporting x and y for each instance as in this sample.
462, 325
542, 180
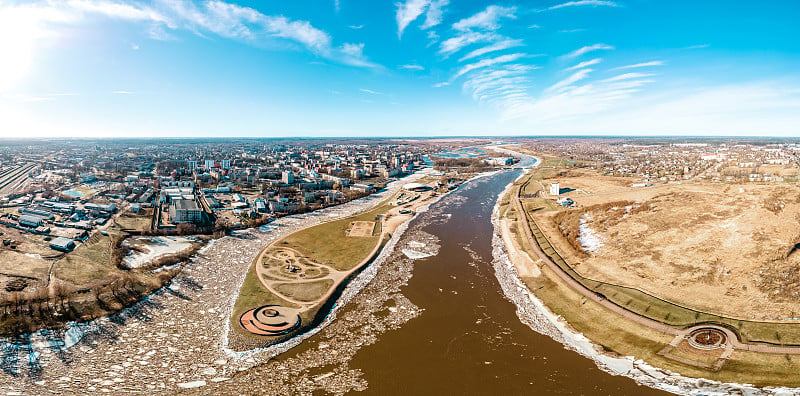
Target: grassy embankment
325, 243
85, 284
624, 337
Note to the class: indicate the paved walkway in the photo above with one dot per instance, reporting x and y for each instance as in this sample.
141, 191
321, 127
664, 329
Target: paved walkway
733, 338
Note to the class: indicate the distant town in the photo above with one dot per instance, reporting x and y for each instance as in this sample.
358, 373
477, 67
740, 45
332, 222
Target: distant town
64, 192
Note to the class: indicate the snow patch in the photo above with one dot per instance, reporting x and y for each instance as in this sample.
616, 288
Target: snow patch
591, 241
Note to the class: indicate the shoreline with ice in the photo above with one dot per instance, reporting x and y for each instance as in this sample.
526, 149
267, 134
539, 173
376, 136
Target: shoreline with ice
362, 279
177, 336
536, 315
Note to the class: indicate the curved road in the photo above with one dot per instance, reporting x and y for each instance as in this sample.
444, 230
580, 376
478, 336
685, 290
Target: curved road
575, 285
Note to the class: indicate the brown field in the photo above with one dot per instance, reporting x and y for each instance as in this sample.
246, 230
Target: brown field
361, 229
724, 248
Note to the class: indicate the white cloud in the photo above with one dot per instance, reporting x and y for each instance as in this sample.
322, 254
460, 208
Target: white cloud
454, 44
567, 82
412, 66
756, 108
356, 27
409, 11
534, 26
369, 91
119, 10
488, 19
441, 84
699, 46
585, 64
593, 3
638, 65
498, 46
503, 86
224, 19
134, 46
434, 15
627, 76
123, 92
433, 38
487, 62
589, 48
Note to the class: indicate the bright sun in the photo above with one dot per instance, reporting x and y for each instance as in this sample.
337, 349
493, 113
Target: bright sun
18, 32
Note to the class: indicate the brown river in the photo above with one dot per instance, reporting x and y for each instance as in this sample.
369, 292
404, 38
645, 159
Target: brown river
464, 337
469, 339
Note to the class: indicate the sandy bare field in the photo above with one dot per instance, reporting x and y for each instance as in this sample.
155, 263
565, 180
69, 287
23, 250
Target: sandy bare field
727, 248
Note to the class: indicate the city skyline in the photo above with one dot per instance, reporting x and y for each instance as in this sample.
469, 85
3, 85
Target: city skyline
91, 68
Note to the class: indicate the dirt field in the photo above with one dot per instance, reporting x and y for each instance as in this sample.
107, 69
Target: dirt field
721, 247
361, 229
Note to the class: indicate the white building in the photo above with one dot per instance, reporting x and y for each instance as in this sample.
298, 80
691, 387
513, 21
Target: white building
184, 211
226, 164
554, 189
287, 177
209, 164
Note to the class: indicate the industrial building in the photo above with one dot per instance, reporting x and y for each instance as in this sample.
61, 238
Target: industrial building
62, 244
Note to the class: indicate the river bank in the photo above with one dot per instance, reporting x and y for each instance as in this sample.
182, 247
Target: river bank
533, 312
171, 340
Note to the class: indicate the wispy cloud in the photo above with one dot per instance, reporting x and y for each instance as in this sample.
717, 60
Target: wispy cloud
412, 66
487, 62
589, 48
627, 76
573, 78
572, 30
123, 92
441, 84
407, 12
205, 19
455, 44
534, 26
638, 65
745, 108
433, 16
504, 86
498, 46
585, 64
592, 3
369, 91
356, 27
698, 46
488, 19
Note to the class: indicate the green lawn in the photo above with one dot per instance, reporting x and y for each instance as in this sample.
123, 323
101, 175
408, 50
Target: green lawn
327, 243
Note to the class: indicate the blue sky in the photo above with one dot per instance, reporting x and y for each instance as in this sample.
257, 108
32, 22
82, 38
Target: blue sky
403, 68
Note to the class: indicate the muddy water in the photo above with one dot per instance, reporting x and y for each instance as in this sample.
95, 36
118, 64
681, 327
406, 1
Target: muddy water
468, 339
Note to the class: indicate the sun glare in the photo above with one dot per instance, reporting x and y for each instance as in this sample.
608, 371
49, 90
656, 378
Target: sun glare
17, 35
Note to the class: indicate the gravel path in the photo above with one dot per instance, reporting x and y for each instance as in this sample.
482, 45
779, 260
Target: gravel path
175, 339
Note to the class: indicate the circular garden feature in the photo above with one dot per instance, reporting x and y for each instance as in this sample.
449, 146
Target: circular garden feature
707, 338
270, 320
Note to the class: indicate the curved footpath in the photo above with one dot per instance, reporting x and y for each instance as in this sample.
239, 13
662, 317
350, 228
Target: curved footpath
174, 339
733, 338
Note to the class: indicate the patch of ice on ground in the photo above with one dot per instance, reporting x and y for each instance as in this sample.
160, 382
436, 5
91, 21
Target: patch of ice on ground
591, 241
156, 247
76, 332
